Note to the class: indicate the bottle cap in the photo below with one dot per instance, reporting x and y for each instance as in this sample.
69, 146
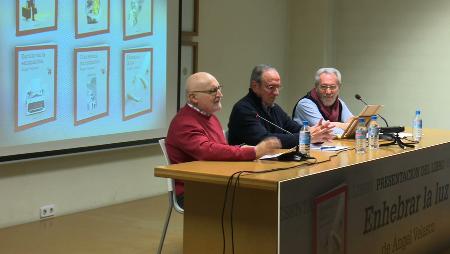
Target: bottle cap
305, 122
361, 120
373, 117
418, 112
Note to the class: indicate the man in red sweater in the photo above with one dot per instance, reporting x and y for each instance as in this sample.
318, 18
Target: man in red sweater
195, 133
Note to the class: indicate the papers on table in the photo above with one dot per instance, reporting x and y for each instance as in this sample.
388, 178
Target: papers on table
325, 148
270, 156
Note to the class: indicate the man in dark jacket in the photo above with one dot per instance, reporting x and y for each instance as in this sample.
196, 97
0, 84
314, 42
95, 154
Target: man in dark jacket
247, 126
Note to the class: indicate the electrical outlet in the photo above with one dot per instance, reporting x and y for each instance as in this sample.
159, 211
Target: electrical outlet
47, 211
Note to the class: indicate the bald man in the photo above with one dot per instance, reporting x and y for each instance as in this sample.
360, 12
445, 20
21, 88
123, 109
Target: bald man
195, 133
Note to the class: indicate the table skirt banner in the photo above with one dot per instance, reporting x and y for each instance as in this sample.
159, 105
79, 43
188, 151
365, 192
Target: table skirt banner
395, 204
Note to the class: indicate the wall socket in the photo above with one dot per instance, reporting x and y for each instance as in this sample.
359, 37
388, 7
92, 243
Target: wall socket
47, 211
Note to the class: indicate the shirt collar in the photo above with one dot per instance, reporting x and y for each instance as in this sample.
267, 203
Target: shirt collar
198, 110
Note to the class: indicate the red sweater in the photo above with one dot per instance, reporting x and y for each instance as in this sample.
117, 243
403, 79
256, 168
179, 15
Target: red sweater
193, 136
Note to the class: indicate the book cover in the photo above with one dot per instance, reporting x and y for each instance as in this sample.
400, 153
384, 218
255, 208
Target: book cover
137, 83
330, 222
137, 18
36, 16
35, 86
91, 88
92, 17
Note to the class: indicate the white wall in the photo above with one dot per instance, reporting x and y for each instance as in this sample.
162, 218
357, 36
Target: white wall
396, 53
311, 44
237, 35
78, 182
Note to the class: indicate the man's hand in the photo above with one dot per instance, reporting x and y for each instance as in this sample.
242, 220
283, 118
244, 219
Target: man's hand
267, 146
345, 125
322, 132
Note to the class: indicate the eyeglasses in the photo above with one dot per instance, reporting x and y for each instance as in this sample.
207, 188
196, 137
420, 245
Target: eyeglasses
325, 87
212, 91
272, 88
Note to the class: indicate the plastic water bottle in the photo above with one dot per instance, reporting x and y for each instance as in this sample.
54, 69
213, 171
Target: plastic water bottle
417, 127
373, 133
360, 136
304, 139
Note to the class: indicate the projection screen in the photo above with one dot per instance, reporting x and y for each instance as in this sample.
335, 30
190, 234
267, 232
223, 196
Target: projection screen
84, 75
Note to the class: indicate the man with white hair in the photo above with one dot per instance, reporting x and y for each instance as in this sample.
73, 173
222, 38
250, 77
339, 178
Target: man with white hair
195, 133
323, 102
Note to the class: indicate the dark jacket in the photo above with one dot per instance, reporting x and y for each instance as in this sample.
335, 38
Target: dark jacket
245, 127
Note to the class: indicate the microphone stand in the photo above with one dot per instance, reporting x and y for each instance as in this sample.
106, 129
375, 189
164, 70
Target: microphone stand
393, 132
396, 140
295, 155
360, 99
382, 136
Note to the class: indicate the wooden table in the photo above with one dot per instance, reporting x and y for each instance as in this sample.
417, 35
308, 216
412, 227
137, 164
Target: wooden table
265, 216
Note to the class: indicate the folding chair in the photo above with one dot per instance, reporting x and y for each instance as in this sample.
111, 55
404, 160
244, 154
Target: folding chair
173, 204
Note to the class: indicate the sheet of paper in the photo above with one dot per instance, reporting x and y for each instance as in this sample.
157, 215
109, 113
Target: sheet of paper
270, 156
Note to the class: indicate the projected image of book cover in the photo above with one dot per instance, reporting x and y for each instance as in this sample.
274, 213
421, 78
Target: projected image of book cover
137, 82
91, 83
35, 16
35, 86
138, 18
92, 17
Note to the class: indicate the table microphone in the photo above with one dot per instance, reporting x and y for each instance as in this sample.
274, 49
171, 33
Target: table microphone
276, 126
359, 98
290, 156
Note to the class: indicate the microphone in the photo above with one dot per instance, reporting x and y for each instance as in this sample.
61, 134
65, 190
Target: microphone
359, 98
289, 156
269, 122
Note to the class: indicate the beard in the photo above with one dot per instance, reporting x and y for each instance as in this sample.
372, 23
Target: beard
328, 100
217, 106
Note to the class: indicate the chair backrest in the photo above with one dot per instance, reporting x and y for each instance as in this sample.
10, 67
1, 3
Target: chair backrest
162, 143
170, 181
